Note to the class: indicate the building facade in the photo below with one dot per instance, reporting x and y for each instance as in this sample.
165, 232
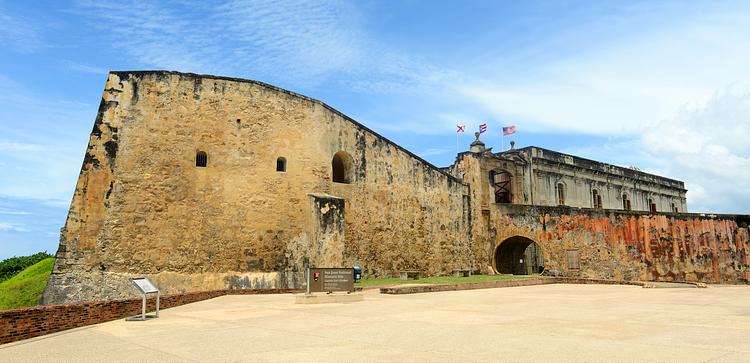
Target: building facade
537, 176
203, 182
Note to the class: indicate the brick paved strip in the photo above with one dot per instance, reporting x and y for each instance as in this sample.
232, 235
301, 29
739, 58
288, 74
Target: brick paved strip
499, 284
579, 281
468, 286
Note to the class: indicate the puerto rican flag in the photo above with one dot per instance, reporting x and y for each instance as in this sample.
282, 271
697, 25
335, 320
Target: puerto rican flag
460, 129
482, 128
508, 130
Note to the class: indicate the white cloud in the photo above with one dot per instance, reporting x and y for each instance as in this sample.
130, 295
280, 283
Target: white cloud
83, 68
620, 151
434, 151
43, 142
623, 87
314, 38
19, 34
13, 212
292, 41
707, 147
11, 146
674, 100
12, 227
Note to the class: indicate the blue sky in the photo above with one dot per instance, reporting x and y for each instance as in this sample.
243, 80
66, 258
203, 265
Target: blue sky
660, 85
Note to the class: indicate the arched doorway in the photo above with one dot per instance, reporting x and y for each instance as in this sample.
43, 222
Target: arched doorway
519, 256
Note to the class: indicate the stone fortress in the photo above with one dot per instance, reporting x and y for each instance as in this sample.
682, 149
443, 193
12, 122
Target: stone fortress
203, 182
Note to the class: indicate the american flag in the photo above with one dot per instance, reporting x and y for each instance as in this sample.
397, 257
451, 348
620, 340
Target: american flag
460, 128
507, 130
482, 128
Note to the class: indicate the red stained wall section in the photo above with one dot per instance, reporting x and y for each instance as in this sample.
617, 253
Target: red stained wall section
660, 246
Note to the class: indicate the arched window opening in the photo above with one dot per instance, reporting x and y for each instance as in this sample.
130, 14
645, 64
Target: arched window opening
651, 205
281, 164
500, 181
674, 208
201, 159
596, 199
342, 169
626, 202
560, 194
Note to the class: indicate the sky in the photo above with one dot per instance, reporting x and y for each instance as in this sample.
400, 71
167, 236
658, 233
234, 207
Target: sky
660, 85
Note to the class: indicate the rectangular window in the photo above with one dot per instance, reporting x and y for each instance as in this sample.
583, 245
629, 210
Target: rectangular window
574, 260
596, 199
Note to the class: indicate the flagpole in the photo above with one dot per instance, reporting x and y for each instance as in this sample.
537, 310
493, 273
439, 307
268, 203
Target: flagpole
457, 142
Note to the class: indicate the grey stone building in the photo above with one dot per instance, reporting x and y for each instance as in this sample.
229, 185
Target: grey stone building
537, 176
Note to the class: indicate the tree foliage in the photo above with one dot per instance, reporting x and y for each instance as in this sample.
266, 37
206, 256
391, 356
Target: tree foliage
11, 266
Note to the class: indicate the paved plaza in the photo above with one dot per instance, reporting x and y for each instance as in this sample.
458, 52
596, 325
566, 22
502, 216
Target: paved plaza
536, 323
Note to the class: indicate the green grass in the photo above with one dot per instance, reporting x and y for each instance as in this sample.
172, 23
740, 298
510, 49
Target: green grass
9, 267
438, 280
25, 288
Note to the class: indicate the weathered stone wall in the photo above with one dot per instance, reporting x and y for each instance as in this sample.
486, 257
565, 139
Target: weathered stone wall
629, 245
142, 207
611, 243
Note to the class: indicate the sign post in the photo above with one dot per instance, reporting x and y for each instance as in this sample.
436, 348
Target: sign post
145, 287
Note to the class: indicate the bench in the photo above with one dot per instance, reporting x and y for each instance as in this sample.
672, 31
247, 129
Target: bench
413, 275
462, 273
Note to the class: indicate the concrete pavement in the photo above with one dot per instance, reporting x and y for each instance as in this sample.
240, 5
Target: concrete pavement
535, 323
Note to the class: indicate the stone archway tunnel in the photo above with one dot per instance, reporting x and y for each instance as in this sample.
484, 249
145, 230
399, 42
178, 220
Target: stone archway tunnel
519, 256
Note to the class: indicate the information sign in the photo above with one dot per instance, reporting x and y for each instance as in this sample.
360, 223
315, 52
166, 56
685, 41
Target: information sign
330, 279
144, 285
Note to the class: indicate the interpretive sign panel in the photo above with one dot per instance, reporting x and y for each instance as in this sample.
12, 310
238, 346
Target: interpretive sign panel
144, 285
330, 279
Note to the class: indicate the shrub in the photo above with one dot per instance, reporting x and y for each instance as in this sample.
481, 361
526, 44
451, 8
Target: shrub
11, 266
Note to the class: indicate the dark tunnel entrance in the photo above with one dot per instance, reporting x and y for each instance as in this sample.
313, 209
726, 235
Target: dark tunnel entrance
519, 256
